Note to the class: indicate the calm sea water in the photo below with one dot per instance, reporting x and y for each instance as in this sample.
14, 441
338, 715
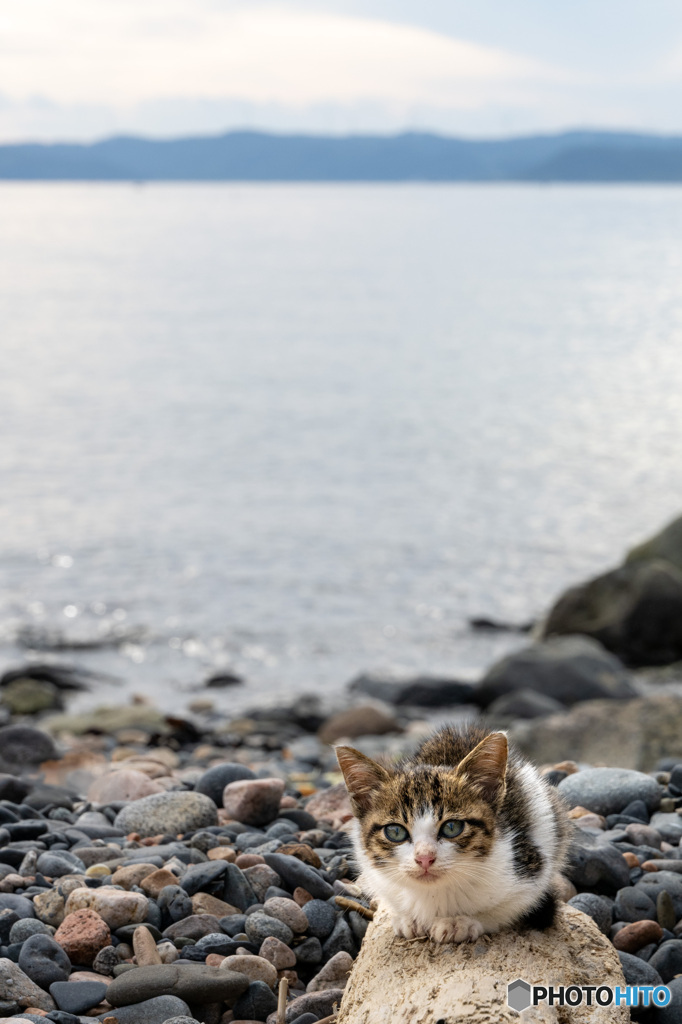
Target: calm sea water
305, 431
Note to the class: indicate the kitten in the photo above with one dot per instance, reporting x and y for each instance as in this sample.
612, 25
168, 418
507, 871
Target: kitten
460, 839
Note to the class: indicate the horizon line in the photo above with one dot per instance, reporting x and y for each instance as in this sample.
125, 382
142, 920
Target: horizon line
360, 134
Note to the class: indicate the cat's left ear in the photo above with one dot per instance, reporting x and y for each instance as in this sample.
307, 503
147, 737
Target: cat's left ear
362, 775
486, 766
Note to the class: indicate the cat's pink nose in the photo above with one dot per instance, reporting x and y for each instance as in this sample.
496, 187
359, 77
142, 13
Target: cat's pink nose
425, 860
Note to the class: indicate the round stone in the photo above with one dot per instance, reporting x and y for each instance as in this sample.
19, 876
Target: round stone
168, 813
634, 936
596, 907
633, 905
667, 959
81, 935
253, 801
54, 865
321, 918
256, 968
288, 911
157, 1010
194, 982
257, 1003
279, 954
105, 961
638, 971
44, 960
238, 891
23, 929
309, 953
672, 1013
213, 782
260, 926
22, 746
609, 790
116, 907
77, 996
126, 784
19, 904
340, 939
261, 878
334, 974
16, 987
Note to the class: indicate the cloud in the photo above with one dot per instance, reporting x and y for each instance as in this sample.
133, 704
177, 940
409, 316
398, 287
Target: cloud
120, 53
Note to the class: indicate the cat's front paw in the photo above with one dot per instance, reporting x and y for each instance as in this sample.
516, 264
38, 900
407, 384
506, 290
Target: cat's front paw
455, 929
406, 928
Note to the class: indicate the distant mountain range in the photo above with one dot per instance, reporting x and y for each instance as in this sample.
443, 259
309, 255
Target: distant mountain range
579, 156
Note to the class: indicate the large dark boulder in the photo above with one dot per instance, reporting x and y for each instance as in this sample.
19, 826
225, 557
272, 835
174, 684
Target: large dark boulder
634, 611
421, 691
666, 545
567, 669
22, 748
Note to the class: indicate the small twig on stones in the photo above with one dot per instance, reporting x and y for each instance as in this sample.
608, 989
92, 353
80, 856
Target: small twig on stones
347, 904
282, 1001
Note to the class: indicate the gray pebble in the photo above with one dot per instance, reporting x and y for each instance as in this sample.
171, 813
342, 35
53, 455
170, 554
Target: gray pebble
593, 863
238, 891
667, 959
256, 1003
150, 1011
213, 782
633, 905
54, 865
260, 926
309, 953
295, 873
340, 940
638, 972
609, 790
596, 907
321, 918
29, 926
44, 961
672, 1013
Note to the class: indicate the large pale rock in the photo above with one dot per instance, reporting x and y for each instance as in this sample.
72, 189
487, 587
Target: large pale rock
395, 981
593, 732
116, 907
125, 784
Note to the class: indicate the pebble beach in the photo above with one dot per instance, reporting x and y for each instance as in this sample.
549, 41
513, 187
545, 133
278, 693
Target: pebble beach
168, 868
150, 876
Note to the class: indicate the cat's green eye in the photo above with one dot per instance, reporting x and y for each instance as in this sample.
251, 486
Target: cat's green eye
396, 833
451, 829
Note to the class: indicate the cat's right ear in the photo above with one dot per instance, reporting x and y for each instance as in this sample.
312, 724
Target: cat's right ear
362, 775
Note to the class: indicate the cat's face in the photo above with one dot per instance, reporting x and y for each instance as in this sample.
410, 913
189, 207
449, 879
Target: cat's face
422, 822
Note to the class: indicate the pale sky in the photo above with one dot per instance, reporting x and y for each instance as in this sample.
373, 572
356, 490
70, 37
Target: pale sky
85, 69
